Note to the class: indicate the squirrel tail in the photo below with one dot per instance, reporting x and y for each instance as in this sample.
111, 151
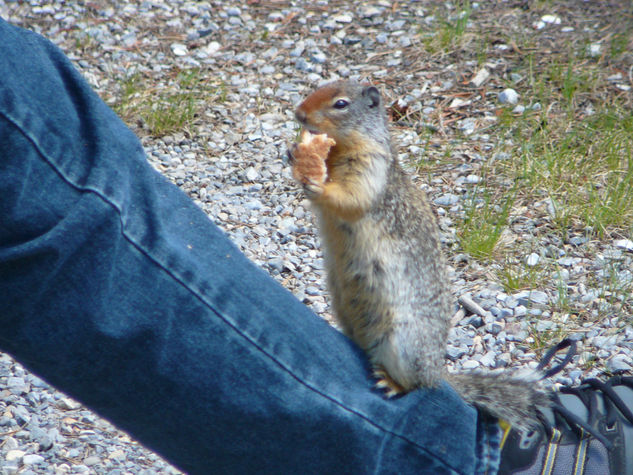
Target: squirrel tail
512, 398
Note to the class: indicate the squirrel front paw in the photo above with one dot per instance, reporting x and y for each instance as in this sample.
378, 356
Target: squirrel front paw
308, 161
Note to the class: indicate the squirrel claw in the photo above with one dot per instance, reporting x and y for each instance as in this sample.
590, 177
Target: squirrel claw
387, 384
311, 188
290, 153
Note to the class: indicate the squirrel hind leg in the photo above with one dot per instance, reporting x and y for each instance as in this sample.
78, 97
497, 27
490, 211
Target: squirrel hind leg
386, 383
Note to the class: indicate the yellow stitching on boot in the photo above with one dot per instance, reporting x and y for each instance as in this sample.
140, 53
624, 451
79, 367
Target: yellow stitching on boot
581, 454
552, 449
505, 427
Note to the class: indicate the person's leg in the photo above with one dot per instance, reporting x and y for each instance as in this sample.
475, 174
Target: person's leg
118, 290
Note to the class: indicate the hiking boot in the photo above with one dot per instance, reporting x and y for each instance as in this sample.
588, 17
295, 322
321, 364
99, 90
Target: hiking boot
587, 430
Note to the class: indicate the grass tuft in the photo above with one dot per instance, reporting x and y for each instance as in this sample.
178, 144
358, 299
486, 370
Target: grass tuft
170, 108
486, 218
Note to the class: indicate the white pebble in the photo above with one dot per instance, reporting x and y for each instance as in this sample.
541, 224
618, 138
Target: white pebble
481, 77
343, 18
625, 244
508, 96
179, 49
594, 49
470, 364
14, 455
532, 259
32, 459
551, 19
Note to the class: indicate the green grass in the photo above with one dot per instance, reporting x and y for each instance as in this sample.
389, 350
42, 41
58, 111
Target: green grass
515, 275
169, 109
570, 160
545, 339
584, 167
486, 218
451, 29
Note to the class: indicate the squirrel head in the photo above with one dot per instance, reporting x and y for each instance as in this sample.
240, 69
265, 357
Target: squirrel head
346, 111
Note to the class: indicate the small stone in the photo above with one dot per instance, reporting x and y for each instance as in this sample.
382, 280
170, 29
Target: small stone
520, 311
343, 18
454, 353
568, 261
117, 455
508, 96
476, 321
532, 259
519, 109
510, 301
68, 404
470, 364
73, 453
21, 415
10, 443
128, 39
479, 78
538, 297
382, 37
370, 12
277, 264
92, 460
318, 57
544, 325
17, 385
551, 19
251, 174
467, 126
212, 48
448, 199
488, 359
469, 304
32, 459
179, 49
594, 49
405, 41
494, 328
14, 455
589, 296
505, 313
578, 240
618, 363
625, 244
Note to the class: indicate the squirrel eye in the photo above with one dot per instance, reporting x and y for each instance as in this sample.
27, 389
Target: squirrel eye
341, 104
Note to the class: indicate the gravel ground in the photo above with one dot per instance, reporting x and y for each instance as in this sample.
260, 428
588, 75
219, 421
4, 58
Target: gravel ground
244, 66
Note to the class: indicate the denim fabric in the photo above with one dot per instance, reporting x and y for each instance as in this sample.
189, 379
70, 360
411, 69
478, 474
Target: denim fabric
117, 289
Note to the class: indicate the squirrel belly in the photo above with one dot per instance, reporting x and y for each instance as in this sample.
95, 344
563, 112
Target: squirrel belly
386, 278
385, 269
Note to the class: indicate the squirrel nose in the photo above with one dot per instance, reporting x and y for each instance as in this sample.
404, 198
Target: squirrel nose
301, 116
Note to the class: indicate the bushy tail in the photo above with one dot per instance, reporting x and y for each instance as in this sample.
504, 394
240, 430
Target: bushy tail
512, 399
508, 396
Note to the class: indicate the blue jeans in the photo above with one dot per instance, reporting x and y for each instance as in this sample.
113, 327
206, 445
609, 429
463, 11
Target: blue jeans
117, 289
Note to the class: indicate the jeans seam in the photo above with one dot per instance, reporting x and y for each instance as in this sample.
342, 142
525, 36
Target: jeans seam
199, 295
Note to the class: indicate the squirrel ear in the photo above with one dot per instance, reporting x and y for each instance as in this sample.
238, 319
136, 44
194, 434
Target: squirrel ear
373, 96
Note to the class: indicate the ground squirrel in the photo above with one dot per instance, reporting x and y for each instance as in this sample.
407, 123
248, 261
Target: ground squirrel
385, 269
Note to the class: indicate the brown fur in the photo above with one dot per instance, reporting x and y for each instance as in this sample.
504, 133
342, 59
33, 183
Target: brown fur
386, 271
